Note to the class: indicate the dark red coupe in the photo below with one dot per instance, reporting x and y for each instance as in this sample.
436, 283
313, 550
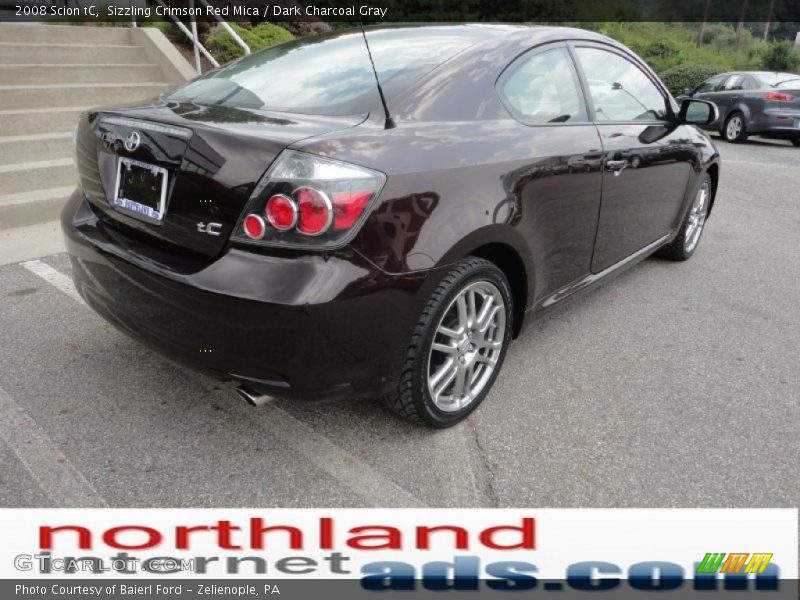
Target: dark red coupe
379, 212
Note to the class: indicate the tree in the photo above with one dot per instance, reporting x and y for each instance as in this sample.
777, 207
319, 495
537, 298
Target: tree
740, 26
768, 22
703, 23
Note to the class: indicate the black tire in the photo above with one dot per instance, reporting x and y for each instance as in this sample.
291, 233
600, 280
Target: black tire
411, 399
680, 249
739, 135
796, 142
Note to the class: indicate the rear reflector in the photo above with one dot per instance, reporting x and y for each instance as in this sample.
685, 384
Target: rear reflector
254, 227
779, 96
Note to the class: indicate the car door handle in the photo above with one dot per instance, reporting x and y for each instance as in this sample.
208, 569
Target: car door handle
616, 165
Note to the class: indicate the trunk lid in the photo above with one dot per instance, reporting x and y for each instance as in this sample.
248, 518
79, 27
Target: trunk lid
793, 104
212, 158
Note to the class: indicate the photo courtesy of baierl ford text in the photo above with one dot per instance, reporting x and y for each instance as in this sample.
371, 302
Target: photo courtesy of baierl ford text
328, 299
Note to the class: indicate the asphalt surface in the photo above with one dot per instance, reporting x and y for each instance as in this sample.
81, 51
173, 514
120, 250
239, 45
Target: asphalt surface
672, 385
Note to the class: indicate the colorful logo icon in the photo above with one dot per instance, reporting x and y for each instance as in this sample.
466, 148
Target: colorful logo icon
719, 562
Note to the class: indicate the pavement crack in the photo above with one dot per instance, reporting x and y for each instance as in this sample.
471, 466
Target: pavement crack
489, 473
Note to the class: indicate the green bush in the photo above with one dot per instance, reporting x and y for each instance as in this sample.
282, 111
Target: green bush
667, 45
263, 35
687, 76
781, 56
719, 34
662, 49
168, 29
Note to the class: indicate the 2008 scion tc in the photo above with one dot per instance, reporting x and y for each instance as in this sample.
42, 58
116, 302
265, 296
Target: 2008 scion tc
279, 223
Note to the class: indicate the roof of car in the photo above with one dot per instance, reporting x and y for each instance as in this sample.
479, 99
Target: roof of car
754, 73
497, 30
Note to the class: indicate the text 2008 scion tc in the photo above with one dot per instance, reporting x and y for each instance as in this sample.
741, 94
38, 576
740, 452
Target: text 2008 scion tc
276, 223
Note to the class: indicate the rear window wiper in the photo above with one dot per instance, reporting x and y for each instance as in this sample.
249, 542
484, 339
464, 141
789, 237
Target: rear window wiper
785, 81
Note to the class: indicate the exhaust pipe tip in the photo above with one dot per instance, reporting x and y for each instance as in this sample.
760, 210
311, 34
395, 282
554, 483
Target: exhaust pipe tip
252, 397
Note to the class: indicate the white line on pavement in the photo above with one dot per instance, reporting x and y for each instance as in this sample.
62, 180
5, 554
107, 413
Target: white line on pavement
48, 466
365, 481
372, 488
53, 277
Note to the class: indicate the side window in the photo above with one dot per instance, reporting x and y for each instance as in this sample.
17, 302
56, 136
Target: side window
620, 90
543, 88
709, 85
734, 82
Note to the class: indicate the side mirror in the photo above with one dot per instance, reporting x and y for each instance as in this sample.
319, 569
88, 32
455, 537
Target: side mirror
698, 112
687, 91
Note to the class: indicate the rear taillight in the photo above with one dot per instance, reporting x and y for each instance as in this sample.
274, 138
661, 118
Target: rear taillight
308, 202
254, 227
779, 96
316, 211
281, 212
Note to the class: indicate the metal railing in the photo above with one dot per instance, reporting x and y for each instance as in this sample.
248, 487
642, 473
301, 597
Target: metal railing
191, 33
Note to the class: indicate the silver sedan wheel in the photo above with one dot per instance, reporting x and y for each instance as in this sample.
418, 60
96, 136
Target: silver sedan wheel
466, 346
697, 217
734, 128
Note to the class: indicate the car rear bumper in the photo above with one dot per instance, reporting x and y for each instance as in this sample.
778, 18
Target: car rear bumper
297, 325
777, 122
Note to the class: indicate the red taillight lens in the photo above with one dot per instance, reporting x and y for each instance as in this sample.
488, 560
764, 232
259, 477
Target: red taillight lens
309, 201
281, 212
348, 206
254, 227
779, 96
315, 211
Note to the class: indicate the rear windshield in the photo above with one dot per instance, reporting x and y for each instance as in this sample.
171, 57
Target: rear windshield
330, 74
776, 79
792, 82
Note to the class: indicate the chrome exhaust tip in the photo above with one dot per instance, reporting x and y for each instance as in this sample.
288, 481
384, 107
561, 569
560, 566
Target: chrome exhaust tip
252, 397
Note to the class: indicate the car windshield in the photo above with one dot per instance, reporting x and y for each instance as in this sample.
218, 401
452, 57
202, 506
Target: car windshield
774, 79
330, 74
793, 82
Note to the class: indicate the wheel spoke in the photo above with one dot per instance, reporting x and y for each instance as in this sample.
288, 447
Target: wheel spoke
444, 348
488, 303
489, 345
488, 319
488, 360
447, 332
443, 378
463, 317
471, 310
470, 375
458, 388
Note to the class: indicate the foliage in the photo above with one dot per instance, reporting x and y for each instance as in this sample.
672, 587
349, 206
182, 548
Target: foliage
263, 35
667, 45
781, 56
677, 79
169, 29
671, 49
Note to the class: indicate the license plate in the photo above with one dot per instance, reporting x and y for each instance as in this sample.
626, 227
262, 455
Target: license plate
141, 189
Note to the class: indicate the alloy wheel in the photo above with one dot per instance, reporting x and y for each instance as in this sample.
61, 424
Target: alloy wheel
697, 217
734, 128
466, 346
